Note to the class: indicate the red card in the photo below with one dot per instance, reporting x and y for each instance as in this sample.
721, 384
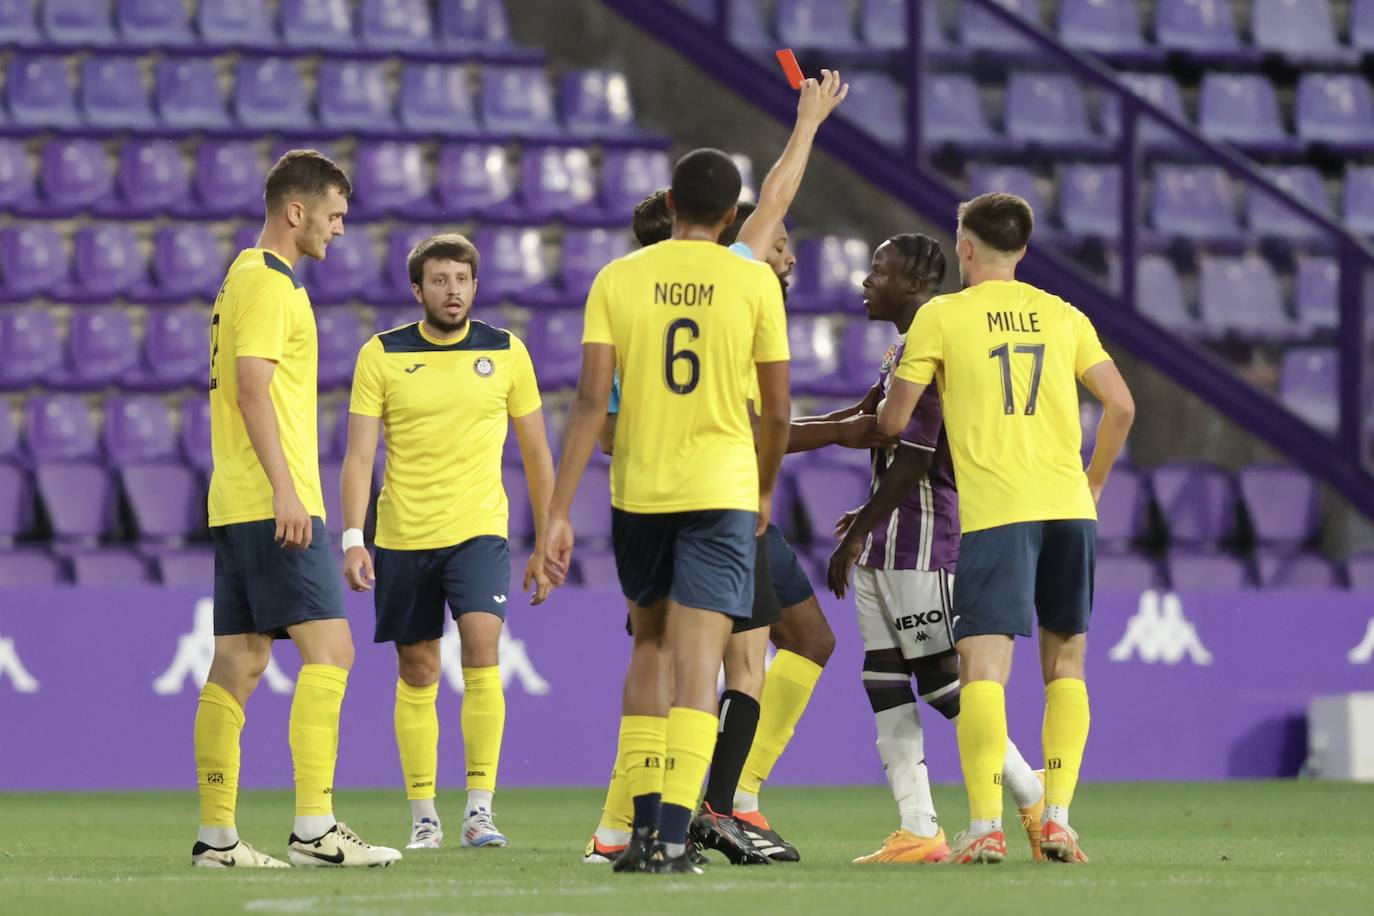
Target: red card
790, 67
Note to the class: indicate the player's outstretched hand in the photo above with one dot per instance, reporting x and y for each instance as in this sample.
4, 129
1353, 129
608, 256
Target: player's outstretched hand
844, 522
861, 431
819, 98
558, 547
536, 576
358, 569
293, 521
869, 404
841, 562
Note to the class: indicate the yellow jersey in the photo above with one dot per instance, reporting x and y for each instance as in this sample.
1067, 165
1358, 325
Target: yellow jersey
262, 310
1007, 358
444, 409
689, 320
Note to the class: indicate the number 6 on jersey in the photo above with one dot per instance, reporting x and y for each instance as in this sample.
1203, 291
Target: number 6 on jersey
672, 355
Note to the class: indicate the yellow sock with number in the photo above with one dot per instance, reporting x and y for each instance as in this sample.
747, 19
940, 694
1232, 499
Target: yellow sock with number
219, 722
786, 692
1064, 736
983, 746
618, 812
314, 736
691, 741
484, 722
417, 737
643, 742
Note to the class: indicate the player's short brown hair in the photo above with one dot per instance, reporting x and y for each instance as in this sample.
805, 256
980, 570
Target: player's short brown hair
1001, 221
304, 172
449, 246
653, 221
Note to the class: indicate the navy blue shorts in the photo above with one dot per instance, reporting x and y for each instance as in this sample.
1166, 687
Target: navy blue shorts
1013, 575
766, 610
703, 558
413, 585
789, 579
262, 587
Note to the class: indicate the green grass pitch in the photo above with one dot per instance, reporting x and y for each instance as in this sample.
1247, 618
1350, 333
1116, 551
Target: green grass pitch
1249, 848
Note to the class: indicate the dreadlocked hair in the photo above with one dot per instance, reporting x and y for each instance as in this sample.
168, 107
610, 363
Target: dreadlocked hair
923, 259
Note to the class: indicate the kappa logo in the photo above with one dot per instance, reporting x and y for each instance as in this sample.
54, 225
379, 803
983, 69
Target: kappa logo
511, 656
415, 367
1360, 655
195, 651
12, 666
1158, 632
499, 599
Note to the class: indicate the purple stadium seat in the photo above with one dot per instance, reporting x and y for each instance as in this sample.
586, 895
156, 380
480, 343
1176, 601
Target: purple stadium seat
110, 567
1335, 109
863, 347
1315, 293
1307, 386
355, 96
1104, 26
389, 177
167, 499
101, 348
30, 568
882, 26
242, 24
138, 429
340, 337
1090, 200
1013, 179
18, 24
953, 112
193, 568
585, 252
351, 268
1269, 217
555, 180
1193, 202
1122, 510
29, 347
814, 341
1159, 88
829, 273
1297, 29
1218, 572
1202, 27
229, 180
555, 344
1282, 504
980, 30
113, 94
1310, 570
59, 427
155, 23
1159, 296
33, 261
317, 24
17, 188
189, 95
521, 522
815, 25
195, 431
475, 178
1126, 572
875, 104
596, 103
270, 95
827, 491
513, 263
629, 176
517, 102
473, 26
395, 25
74, 175
393, 287
188, 263
176, 349
331, 474
1241, 108
1360, 568
1357, 199
1362, 25
79, 497
394, 317
10, 450
16, 504
1047, 109
40, 92
1197, 502
436, 98
595, 569
152, 179
106, 262
78, 23
591, 509
1242, 296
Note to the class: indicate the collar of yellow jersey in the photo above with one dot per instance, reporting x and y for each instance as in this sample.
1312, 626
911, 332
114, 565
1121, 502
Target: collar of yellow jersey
420, 327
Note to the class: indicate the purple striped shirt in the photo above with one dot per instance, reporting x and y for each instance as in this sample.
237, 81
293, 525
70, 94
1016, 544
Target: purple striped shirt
923, 531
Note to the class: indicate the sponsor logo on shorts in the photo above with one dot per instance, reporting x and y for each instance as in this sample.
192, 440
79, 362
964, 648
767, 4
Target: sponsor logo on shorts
484, 366
912, 621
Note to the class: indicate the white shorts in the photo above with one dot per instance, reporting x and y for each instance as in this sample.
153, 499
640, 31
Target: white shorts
907, 609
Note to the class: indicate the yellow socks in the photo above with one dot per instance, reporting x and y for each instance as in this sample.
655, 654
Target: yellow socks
691, 742
417, 737
314, 736
219, 722
618, 813
484, 722
1064, 736
643, 745
786, 692
982, 749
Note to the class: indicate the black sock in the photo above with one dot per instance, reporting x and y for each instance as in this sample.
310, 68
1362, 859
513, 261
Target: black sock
739, 719
647, 812
672, 824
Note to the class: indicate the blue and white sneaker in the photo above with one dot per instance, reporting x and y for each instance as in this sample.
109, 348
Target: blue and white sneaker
480, 830
425, 834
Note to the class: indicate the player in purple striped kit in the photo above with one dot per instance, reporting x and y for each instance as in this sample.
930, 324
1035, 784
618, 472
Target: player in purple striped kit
903, 545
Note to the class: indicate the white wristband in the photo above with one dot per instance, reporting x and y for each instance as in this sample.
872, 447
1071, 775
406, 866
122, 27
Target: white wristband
353, 537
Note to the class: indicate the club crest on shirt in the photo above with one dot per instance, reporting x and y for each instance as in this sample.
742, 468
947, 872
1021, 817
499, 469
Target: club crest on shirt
888, 359
484, 366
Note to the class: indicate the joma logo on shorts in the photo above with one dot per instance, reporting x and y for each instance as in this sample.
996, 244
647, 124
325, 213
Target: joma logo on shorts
912, 621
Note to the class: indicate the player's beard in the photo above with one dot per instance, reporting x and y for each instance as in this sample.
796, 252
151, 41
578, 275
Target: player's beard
782, 282
439, 318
